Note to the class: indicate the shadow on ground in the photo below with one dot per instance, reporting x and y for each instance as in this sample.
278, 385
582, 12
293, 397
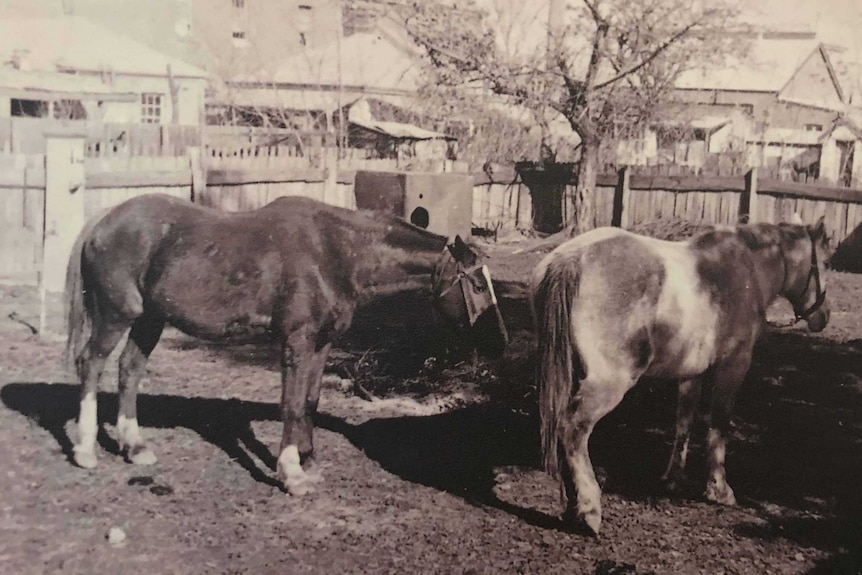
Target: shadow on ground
797, 443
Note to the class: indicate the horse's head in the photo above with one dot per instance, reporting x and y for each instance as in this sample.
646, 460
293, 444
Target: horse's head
806, 254
465, 298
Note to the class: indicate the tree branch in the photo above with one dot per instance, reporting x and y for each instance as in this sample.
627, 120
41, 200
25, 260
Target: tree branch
594, 11
652, 56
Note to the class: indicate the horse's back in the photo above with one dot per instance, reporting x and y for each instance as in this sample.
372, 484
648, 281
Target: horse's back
639, 301
210, 273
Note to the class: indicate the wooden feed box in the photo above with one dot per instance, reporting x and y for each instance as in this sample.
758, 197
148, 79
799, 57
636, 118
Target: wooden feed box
441, 203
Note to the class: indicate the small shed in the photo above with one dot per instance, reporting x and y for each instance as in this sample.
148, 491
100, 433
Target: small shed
395, 139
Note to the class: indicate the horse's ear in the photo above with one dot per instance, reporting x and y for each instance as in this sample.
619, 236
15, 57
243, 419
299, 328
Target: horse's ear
818, 230
462, 252
796, 219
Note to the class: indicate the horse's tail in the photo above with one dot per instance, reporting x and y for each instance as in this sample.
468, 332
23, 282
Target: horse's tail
553, 296
79, 301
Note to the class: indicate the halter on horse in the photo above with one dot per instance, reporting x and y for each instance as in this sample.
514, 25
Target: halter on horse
612, 306
295, 270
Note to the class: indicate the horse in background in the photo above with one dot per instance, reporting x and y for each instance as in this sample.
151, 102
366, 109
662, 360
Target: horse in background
611, 306
295, 270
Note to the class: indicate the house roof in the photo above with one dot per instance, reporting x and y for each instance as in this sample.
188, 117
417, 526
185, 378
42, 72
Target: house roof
366, 60
53, 86
787, 136
848, 71
70, 43
301, 99
768, 66
360, 115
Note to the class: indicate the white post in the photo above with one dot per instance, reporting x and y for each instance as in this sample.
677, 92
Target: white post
64, 212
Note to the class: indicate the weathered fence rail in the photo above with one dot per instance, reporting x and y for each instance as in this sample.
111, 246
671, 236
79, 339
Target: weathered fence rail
501, 202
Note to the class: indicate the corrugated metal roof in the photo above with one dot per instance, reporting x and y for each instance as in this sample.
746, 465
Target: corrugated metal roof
360, 115
299, 99
399, 130
54, 85
366, 60
50, 44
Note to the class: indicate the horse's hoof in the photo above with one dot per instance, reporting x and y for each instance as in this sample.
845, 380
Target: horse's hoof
313, 472
673, 483
299, 486
588, 524
722, 495
85, 459
141, 455
594, 522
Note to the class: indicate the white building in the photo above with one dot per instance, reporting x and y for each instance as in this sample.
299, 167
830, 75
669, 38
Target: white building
72, 68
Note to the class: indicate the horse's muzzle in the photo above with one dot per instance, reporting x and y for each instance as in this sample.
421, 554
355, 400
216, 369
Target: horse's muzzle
817, 320
490, 337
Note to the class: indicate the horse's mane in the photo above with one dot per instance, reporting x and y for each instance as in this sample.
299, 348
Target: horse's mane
762, 235
756, 237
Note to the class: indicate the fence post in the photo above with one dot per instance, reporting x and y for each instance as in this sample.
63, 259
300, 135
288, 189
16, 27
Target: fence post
621, 197
330, 183
748, 201
64, 212
199, 173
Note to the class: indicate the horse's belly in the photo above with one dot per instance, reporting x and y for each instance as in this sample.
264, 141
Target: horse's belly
223, 314
678, 358
231, 328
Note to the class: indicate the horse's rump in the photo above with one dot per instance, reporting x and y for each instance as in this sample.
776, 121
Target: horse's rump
209, 273
611, 306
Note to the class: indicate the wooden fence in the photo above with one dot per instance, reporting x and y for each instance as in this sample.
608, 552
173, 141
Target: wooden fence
500, 201
635, 196
22, 204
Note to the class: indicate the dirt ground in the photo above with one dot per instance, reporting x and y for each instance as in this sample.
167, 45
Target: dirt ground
431, 465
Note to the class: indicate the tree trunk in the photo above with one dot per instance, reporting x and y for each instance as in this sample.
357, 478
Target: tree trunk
547, 183
585, 198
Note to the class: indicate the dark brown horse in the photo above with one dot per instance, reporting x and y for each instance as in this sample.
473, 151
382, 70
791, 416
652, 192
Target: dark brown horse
295, 270
612, 306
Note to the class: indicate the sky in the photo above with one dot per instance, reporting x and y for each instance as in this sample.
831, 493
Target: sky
835, 21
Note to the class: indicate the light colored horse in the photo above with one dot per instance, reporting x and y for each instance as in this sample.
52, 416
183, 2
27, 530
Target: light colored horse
611, 306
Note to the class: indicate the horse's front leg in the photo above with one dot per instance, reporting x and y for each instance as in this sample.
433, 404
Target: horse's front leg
728, 378
302, 368
686, 410
317, 363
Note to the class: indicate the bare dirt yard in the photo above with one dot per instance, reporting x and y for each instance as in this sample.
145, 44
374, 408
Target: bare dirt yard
431, 465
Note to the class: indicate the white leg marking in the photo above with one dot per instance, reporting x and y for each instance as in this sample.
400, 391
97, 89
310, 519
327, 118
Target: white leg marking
290, 472
717, 488
128, 430
131, 441
85, 451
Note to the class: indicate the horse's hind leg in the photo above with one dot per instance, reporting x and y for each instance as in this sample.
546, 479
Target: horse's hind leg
91, 363
143, 338
686, 410
594, 399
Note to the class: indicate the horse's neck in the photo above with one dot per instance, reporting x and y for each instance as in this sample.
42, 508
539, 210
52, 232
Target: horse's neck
390, 268
769, 269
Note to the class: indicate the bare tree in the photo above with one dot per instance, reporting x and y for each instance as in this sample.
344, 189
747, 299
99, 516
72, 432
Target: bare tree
607, 66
